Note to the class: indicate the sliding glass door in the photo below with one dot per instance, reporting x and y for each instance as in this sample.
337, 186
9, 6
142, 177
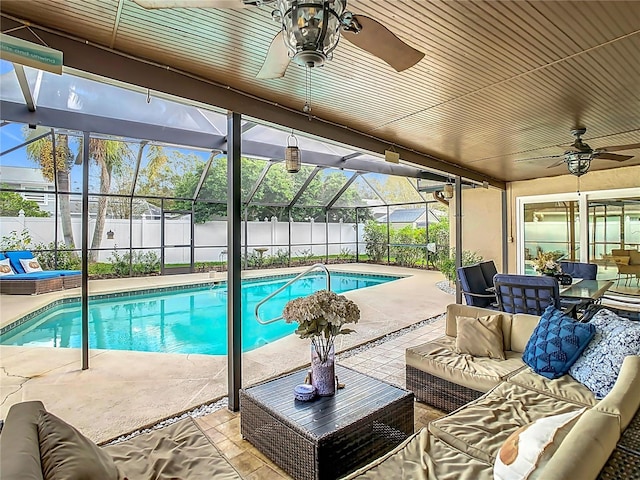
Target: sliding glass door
580, 228
551, 227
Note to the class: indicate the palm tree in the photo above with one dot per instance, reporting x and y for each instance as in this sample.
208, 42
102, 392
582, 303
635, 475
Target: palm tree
41, 151
109, 155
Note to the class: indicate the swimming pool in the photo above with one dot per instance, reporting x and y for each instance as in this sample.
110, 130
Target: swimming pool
192, 320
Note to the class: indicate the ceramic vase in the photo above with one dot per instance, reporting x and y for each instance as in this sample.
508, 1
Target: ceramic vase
323, 372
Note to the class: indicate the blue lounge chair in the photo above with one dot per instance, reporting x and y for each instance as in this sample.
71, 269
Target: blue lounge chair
22, 283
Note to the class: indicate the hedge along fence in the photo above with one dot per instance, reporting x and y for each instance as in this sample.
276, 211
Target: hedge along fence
406, 246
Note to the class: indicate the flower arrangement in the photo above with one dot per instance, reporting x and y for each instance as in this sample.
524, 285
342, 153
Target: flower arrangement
321, 317
545, 263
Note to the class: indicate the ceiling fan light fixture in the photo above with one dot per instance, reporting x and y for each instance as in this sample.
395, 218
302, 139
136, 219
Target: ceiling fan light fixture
578, 163
311, 29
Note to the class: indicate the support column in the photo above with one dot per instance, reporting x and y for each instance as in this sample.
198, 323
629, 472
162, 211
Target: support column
458, 194
505, 233
84, 308
234, 221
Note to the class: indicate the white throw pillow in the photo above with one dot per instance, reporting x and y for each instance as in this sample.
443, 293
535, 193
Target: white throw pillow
30, 265
531, 446
5, 268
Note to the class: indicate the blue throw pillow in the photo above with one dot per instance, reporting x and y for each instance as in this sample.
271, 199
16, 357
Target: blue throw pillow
556, 343
599, 365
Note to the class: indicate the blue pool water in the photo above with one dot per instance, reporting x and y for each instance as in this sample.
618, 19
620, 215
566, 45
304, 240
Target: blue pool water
178, 321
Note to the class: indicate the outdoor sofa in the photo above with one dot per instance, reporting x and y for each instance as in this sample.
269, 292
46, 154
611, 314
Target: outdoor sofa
493, 403
36, 445
34, 283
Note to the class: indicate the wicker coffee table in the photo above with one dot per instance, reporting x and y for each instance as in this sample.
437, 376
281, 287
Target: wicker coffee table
329, 436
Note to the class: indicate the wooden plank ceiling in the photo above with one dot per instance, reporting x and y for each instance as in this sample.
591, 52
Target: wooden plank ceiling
500, 82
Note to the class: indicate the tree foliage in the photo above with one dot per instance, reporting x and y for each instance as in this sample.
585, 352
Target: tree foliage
395, 189
271, 198
56, 165
11, 203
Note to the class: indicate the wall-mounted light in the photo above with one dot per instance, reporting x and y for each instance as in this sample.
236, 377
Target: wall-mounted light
110, 235
292, 157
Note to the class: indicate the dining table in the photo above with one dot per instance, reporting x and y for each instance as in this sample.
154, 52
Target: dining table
583, 289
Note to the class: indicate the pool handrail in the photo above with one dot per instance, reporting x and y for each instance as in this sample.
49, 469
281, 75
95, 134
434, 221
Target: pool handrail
316, 266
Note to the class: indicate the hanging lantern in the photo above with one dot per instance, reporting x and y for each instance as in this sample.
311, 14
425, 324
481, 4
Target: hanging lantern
292, 158
448, 191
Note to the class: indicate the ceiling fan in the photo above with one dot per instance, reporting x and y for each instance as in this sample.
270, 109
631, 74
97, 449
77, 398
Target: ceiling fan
579, 155
310, 31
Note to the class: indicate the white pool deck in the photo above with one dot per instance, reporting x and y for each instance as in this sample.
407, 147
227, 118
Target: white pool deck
123, 391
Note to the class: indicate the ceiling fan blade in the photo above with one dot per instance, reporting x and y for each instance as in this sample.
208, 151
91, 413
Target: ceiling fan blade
153, 4
538, 158
555, 164
376, 39
277, 61
613, 156
617, 148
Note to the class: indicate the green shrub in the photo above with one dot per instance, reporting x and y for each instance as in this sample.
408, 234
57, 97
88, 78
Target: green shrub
65, 259
305, 256
447, 263
406, 254
141, 263
16, 241
375, 239
278, 259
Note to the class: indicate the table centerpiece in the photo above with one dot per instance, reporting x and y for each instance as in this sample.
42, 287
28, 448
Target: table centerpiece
545, 263
321, 317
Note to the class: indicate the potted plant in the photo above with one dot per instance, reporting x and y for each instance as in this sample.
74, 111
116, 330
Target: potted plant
545, 263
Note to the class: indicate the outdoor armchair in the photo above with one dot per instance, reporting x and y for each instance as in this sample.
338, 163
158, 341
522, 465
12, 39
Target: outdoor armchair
475, 287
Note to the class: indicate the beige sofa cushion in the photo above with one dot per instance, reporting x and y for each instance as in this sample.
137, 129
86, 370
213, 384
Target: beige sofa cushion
624, 398
424, 457
516, 329
439, 358
522, 326
19, 447
191, 454
455, 310
66, 454
481, 427
585, 449
480, 337
564, 388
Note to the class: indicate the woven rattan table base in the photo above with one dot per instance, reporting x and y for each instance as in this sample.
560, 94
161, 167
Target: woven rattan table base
329, 436
437, 392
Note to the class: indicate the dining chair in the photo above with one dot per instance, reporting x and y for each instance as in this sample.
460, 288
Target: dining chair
526, 293
586, 271
475, 287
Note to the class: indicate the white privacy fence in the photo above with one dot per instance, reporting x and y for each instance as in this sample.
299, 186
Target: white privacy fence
266, 238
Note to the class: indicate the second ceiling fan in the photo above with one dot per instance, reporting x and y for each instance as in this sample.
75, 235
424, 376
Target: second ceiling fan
310, 31
579, 155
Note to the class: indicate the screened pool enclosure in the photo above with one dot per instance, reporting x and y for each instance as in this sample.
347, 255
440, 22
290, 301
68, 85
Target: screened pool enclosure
115, 180
155, 172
